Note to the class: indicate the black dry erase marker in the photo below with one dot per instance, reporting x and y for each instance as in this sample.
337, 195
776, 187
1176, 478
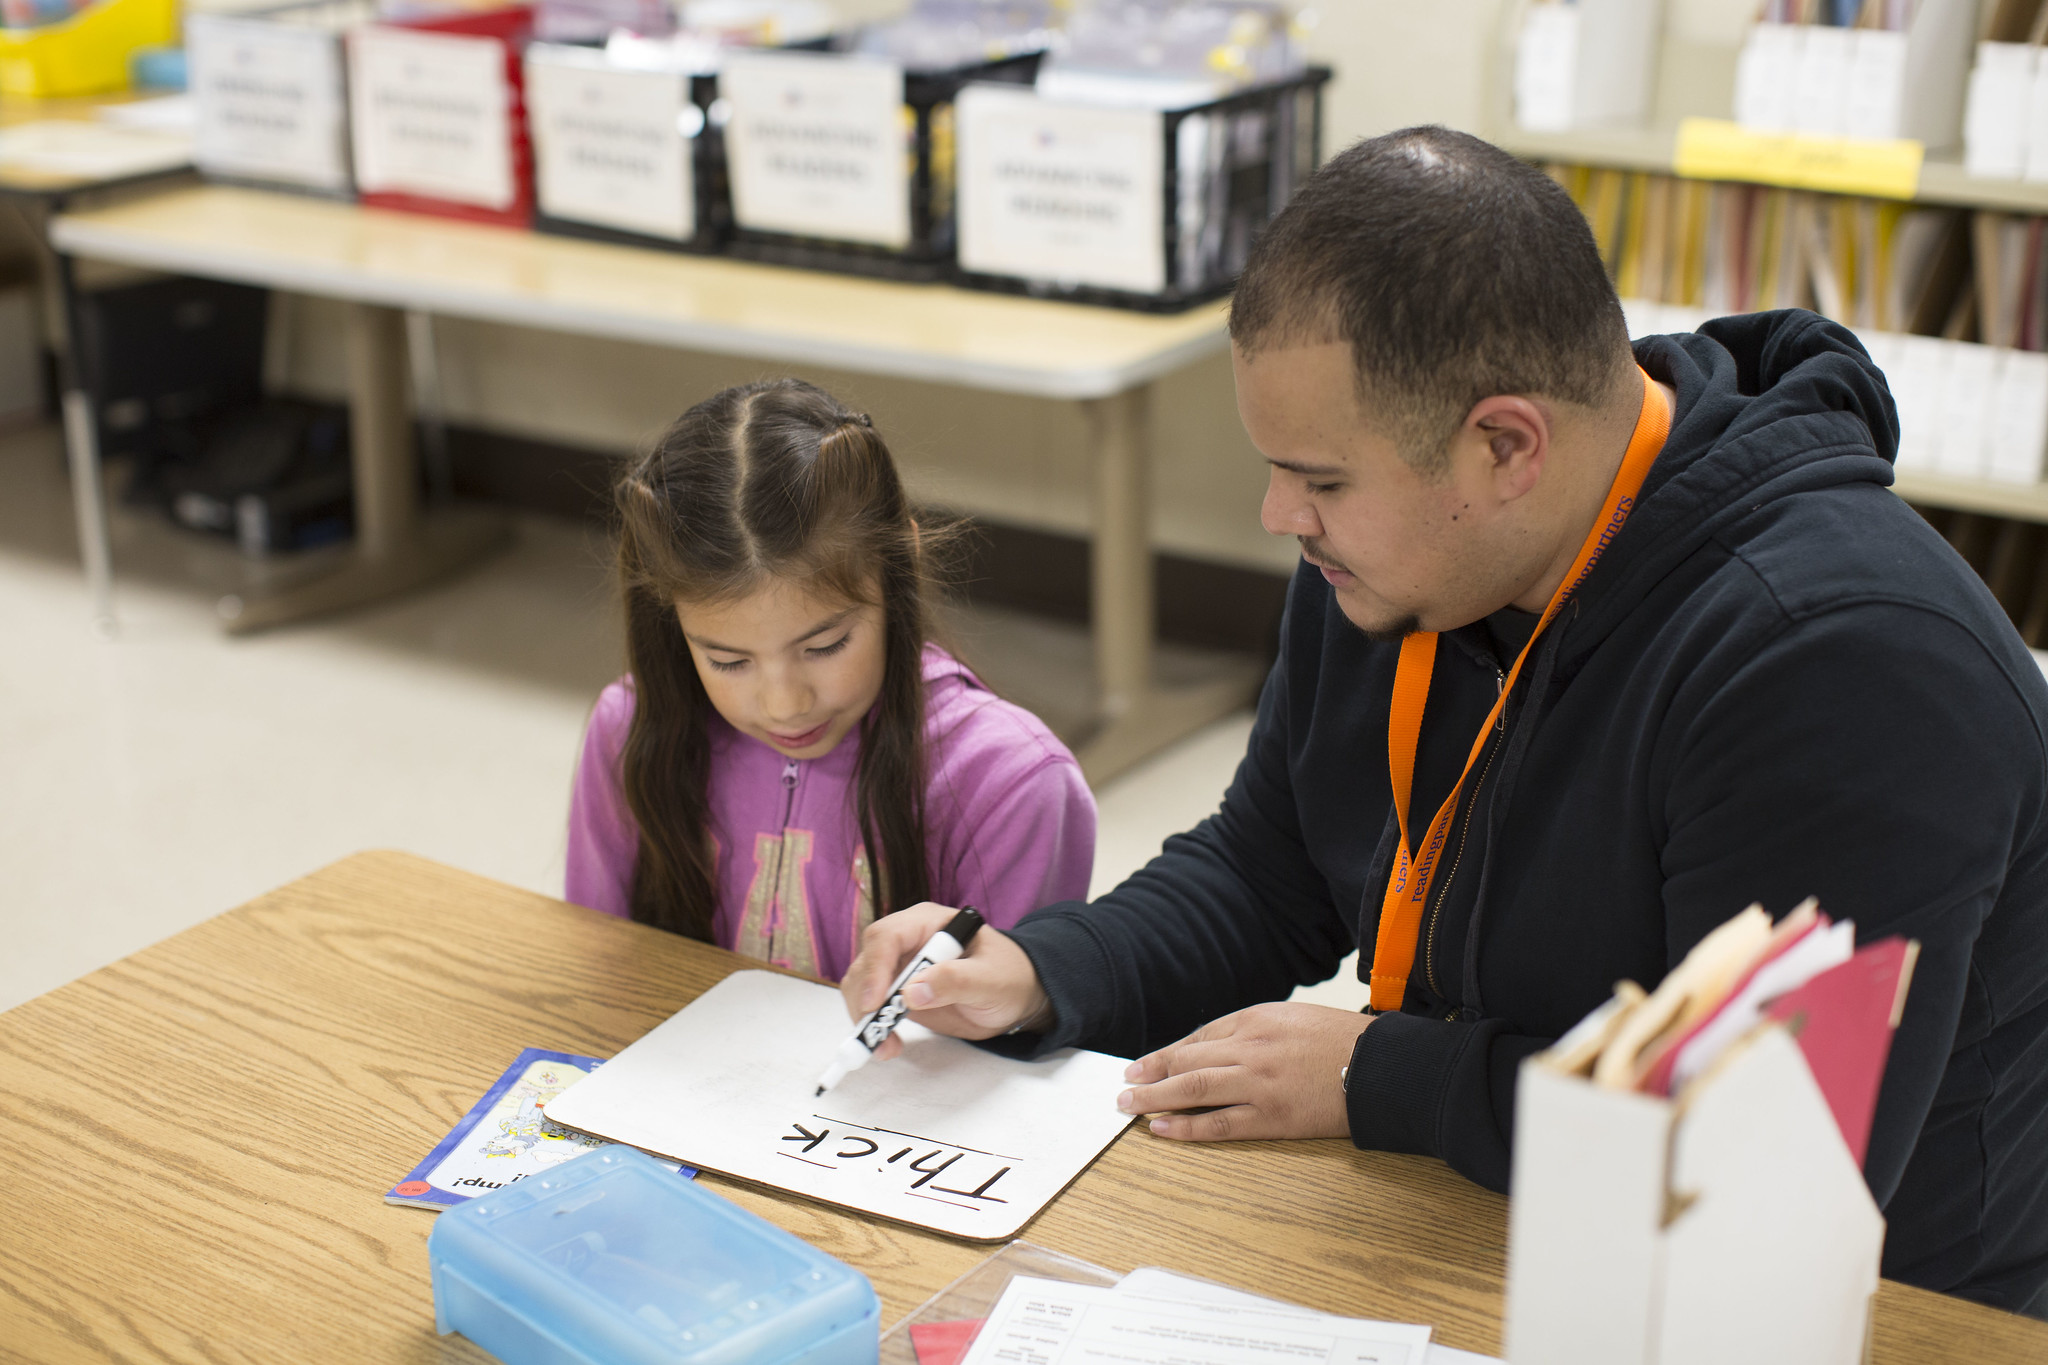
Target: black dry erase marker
874, 1030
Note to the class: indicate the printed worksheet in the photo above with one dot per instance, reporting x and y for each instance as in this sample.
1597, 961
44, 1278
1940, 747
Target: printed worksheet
1154, 1282
947, 1136
1052, 1322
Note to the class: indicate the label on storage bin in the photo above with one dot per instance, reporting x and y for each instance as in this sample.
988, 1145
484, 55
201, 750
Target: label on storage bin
609, 144
1069, 194
267, 101
817, 145
433, 115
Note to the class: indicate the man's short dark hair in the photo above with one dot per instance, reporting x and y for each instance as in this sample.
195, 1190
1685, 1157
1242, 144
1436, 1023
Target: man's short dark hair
1453, 270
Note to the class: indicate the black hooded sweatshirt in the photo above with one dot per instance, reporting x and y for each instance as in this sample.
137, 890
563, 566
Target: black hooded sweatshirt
1777, 682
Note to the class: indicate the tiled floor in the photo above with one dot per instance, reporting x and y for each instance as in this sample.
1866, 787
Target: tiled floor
167, 774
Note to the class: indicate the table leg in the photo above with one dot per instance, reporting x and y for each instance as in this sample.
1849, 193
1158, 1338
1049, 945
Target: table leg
88, 501
426, 396
397, 549
1135, 717
82, 445
1121, 583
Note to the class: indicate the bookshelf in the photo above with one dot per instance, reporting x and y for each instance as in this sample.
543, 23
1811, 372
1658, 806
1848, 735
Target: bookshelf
1942, 182
2019, 501
1650, 149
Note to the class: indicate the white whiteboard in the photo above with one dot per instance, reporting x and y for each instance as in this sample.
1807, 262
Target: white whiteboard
947, 1136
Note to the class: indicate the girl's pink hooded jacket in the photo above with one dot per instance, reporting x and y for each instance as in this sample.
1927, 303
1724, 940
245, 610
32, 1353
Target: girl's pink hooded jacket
1010, 824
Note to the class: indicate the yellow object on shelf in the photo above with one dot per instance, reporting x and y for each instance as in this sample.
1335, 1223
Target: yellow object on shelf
86, 54
1715, 149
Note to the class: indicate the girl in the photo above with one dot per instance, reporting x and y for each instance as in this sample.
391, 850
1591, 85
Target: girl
791, 754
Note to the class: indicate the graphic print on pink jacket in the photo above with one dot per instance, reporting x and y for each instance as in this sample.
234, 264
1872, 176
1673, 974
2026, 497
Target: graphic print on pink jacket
1010, 824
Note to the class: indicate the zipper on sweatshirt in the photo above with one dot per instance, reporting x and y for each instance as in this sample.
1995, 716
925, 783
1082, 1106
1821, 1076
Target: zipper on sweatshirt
1464, 836
791, 770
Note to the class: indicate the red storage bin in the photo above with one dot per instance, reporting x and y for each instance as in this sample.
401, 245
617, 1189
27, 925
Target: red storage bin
438, 115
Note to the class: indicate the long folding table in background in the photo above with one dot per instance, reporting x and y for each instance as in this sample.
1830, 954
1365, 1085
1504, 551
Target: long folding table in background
387, 265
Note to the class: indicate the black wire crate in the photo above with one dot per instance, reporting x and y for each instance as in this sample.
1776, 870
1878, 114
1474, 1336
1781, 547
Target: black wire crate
1136, 208
821, 179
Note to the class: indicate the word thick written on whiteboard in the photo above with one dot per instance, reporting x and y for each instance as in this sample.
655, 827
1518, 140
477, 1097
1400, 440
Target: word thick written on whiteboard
831, 1145
946, 1136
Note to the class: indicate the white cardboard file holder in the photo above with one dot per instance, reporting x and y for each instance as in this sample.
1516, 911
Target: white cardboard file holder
1861, 83
1995, 112
1965, 410
1732, 1226
1585, 64
2005, 119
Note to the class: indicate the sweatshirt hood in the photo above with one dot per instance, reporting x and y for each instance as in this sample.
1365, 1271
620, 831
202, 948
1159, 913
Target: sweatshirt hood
1768, 405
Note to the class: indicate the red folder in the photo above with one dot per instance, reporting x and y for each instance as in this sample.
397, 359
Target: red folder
943, 1343
1843, 1020
1657, 1080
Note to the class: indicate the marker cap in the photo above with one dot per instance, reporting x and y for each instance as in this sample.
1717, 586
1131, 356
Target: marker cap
963, 926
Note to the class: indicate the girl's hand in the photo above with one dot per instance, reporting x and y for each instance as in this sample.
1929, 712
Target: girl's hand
990, 989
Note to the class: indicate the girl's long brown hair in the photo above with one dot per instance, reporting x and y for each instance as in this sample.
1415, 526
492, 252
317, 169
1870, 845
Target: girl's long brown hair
761, 481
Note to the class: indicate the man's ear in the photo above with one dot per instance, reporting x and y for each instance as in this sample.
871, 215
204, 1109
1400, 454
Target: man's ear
1515, 434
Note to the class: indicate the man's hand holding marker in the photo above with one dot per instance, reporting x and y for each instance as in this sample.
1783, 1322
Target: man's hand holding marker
989, 989
1271, 1071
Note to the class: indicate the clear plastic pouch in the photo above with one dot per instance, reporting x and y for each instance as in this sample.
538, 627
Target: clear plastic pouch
975, 1293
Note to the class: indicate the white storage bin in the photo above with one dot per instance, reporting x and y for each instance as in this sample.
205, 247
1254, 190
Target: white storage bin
438, 119
1585, 64
817, 146
269, 94
617, 150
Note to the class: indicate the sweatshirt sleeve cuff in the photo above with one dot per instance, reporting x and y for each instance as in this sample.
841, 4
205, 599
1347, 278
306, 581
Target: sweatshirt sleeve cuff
1394, 1091
1072, 969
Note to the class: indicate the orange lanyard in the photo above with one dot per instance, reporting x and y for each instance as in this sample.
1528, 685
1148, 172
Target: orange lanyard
1393, 955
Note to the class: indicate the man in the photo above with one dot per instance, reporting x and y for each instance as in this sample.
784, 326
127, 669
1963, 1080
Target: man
1764, 678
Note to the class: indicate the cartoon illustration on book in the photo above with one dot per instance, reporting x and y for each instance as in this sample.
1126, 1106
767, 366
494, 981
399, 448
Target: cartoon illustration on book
504, 1137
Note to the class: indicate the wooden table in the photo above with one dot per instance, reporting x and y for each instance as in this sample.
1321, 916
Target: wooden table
393, 266
200, 1135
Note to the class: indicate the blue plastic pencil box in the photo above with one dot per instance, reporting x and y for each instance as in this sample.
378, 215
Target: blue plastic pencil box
611, 1260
